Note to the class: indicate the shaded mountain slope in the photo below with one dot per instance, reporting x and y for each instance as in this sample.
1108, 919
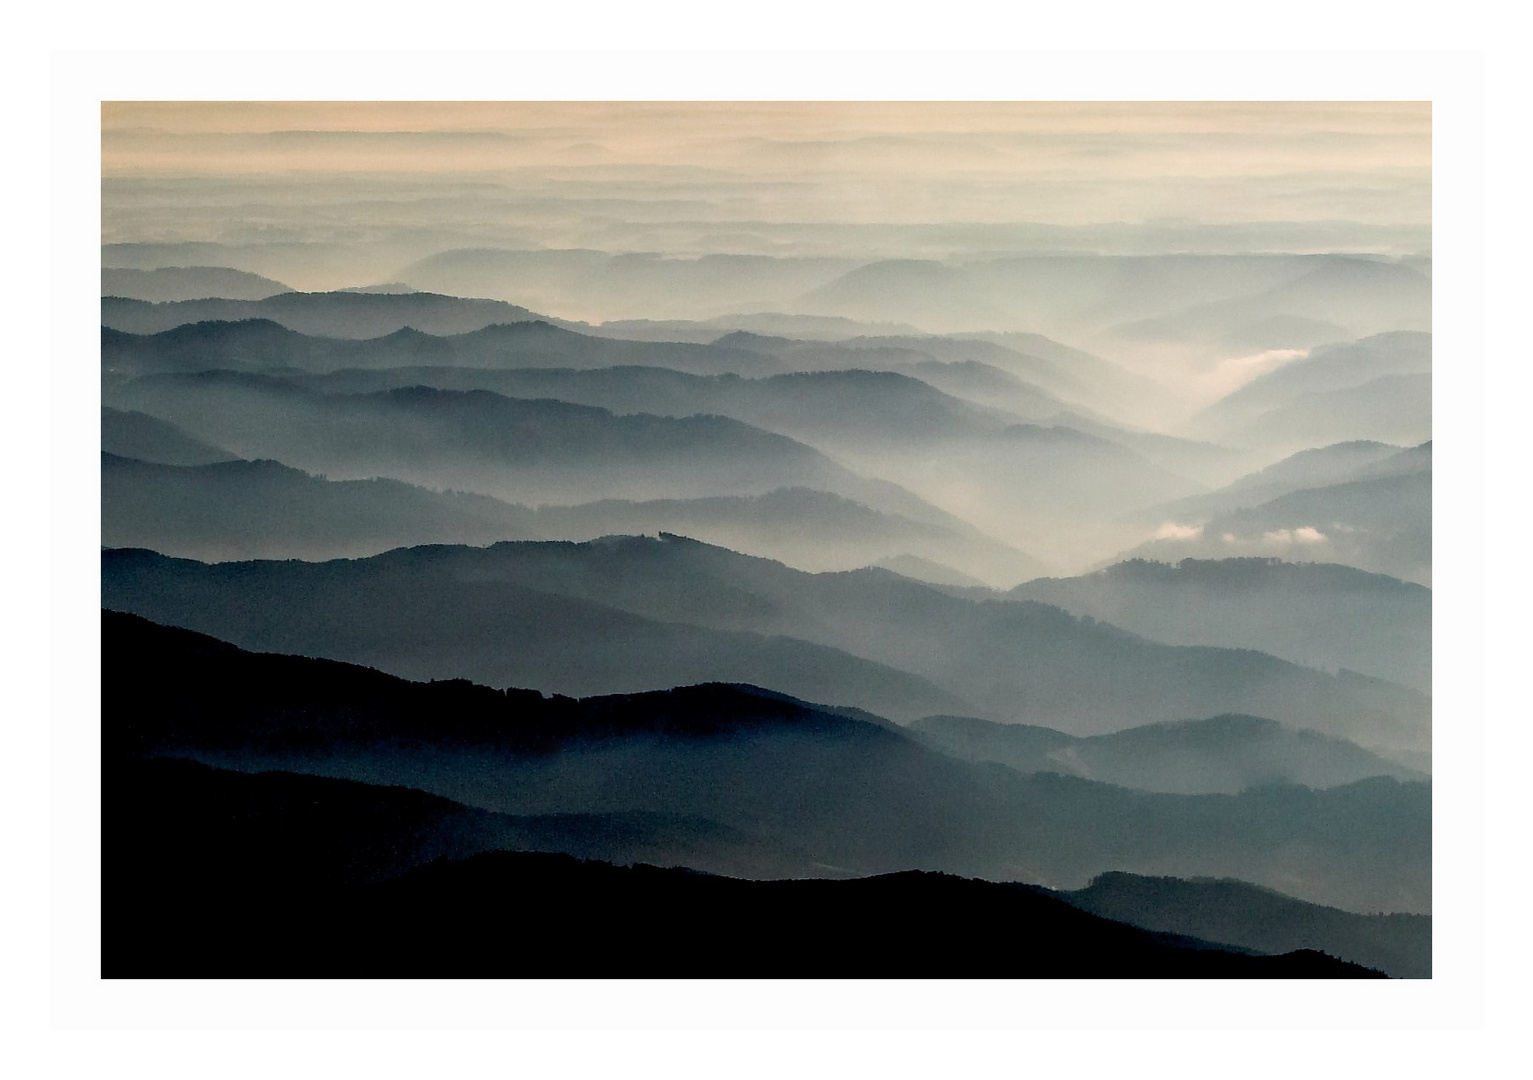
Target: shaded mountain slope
1225, 754
471, 612
1321, 466
146, 438
1255, 918
1382, 525
423, 623
329, 314
1375, 388
258, 343
833, 788
172, 283
1323, 616
265, 510
201, 869
528, 451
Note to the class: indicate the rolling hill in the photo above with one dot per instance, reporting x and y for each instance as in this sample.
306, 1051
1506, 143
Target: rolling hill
1323, 616
589, 618
843, 788
1221, 755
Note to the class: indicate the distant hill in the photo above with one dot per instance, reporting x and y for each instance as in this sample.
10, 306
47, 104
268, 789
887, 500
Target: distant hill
1225, 754
596, 284
172, 283
781, 778
933, 573
1320, 615
529, 451
803, 327
138, 435
1194, 298
1336, 298
328, 314
564, 617
1254, 918
1382, 525
1378, 388
1320, 466
265, 342
265, 510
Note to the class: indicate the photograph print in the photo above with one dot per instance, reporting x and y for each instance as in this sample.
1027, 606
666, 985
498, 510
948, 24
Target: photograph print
765, 540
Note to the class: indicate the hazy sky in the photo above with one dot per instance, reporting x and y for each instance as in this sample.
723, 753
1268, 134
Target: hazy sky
692, 177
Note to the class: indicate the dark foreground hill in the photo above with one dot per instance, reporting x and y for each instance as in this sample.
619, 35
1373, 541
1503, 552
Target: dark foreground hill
1260, 919
211, 874
751, 782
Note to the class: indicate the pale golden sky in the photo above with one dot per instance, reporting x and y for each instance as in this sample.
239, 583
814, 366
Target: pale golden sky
680, 176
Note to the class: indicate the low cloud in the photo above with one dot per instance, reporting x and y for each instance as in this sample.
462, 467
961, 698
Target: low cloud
1304, 534
1172, 530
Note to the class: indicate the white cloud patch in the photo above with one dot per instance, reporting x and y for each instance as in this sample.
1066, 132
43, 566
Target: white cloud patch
1304, 534
1228, 538
1234, 372
1172, 530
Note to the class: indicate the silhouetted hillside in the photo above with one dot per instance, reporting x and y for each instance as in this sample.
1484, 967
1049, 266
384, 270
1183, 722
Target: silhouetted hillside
201, 870
171, 283
1226, 754
1382, 525
1254, 918
794, 788
254, 343
262, 509
145, 438
328, 314
1037, 483
560, 616
517, 450
1324, 616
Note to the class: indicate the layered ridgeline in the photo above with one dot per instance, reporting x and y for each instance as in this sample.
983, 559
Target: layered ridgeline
1027, 375
1059, 488
185, 895
146, 438
624, 614
1223, 754
1365, 505
519, 450
1319, 615
719, 777
1242, 914
172, 283
1378, 388
1233, 304
266, 510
